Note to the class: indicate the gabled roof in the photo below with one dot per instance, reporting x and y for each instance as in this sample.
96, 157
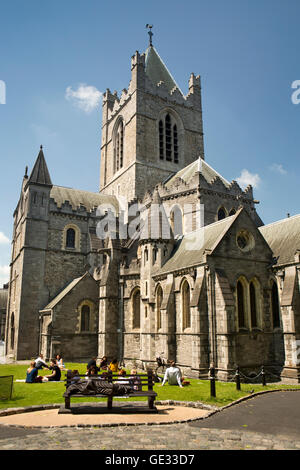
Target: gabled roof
65, 291
62, 294
283, 238
40, 173
157, 71
190, 249
199, 165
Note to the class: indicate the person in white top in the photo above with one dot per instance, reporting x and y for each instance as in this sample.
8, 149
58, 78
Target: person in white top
172, 375
40, 363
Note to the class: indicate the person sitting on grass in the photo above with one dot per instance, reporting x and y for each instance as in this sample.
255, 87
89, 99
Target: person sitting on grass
135, 380
92, 363
32, 374
103, 363
56, 373
93, 371
60, 362
40, 363
113, 366
172, 375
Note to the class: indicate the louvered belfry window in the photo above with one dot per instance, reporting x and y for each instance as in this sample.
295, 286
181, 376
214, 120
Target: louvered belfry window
119, 146
168, 139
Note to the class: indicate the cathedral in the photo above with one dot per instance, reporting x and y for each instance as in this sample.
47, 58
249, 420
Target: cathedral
167, 259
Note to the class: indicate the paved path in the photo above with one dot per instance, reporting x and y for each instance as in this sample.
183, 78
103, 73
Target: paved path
270, 421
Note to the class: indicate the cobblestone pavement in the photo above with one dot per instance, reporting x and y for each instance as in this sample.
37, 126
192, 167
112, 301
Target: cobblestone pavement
266, 422
166, 437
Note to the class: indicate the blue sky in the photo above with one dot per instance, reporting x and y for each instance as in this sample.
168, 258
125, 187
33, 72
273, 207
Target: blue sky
245, 51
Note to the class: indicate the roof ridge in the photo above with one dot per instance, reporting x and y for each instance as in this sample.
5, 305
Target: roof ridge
226, 219
286, 219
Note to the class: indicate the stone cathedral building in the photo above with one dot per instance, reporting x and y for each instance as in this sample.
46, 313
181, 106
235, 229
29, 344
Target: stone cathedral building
202, 280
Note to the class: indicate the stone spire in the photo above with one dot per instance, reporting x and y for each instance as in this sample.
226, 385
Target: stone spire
40, 173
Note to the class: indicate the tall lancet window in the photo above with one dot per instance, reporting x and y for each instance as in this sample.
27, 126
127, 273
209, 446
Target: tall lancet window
241, 305
159, 298
168, 139
275, 306
119, 146
186, 312
136, 308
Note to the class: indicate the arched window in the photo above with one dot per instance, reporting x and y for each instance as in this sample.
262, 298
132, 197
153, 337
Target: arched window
253, 305
232, 212
85, 318
241, 304
145, 255
12, 331
176, 222
221, 213
275, 306
119, 146
186, 312
154, 255
70, 238
159, 298
168, 139
136, 309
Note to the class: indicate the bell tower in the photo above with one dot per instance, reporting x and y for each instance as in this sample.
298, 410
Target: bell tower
151, 131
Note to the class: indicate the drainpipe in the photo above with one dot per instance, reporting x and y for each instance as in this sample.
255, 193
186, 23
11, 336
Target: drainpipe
212, 321
121, 319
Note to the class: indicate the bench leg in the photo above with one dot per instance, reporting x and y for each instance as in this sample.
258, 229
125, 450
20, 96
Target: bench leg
151, 402
109, 402
67, 403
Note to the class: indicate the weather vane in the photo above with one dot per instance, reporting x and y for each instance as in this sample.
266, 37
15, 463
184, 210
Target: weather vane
150, 26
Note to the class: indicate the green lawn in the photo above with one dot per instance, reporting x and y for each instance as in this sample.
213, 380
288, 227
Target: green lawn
47, 393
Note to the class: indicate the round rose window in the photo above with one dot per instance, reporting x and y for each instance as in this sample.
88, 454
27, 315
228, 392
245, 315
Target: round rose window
245, 240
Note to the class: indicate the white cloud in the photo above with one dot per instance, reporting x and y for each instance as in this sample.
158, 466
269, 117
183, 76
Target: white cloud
3, 239
4, 275
85, 97
247, 178
278, 168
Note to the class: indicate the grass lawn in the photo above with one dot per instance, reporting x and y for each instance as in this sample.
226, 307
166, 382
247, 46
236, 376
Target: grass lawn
49, 392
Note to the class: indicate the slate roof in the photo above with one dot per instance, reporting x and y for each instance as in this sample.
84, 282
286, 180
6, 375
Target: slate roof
40, 173
78, 198
190, 249
199, 165
157, 71
65, 291
283, 237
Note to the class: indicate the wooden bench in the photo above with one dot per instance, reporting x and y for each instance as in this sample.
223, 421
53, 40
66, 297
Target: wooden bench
144, 382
